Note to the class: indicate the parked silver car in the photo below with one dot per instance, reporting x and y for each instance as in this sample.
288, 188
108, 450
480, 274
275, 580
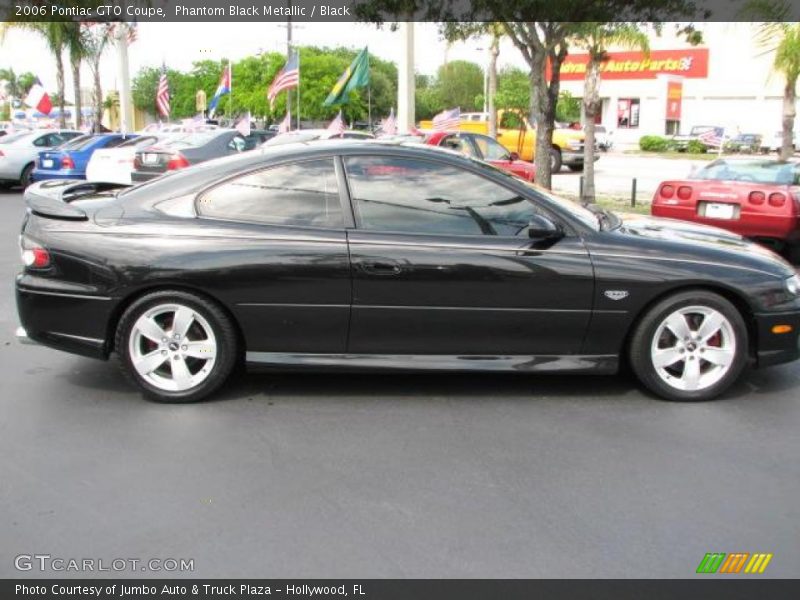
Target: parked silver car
18, 152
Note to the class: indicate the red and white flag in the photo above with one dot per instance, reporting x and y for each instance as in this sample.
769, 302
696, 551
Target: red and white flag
447, 120
243, 126
162, 94
389, 124
286, 124
38, 98
336, 127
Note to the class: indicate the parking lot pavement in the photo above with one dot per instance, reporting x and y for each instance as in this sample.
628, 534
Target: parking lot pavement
615, 170
313, 475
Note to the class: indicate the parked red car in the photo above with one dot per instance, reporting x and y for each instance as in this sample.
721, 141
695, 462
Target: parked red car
484, 148
756, 198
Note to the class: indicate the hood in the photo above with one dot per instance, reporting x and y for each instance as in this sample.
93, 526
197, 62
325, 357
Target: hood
688, 236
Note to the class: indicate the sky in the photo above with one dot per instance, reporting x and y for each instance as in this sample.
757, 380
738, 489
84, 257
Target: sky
179, 44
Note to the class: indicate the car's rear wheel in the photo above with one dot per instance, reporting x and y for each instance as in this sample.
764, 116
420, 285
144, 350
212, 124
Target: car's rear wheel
690, 346
176, 346
27, 176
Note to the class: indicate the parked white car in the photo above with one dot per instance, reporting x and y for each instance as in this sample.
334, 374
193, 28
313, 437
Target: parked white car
114, 165
18, 152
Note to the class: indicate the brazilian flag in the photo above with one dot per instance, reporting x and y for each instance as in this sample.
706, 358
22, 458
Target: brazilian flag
354, 77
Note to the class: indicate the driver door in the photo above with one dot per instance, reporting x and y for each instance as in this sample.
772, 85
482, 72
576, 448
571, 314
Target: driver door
442, 264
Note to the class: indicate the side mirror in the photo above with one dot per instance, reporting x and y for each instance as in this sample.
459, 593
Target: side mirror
542, 228
514, 156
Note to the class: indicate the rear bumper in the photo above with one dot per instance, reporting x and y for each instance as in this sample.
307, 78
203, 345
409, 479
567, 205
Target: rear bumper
772, 348
65, 320
45, 175
140, 177
777, 227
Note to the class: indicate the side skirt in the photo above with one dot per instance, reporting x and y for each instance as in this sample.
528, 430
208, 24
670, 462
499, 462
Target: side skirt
598, 364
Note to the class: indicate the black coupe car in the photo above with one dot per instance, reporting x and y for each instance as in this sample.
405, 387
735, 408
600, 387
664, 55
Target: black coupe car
370, 255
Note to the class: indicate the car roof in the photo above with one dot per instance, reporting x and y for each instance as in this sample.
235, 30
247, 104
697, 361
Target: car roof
192, 179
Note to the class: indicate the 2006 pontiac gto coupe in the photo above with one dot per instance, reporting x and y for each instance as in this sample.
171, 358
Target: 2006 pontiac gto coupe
367, 255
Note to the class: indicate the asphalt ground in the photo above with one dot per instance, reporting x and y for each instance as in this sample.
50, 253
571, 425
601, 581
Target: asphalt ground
423, 476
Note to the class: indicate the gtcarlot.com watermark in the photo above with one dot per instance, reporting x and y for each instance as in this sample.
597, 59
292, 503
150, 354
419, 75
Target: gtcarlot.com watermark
49, 563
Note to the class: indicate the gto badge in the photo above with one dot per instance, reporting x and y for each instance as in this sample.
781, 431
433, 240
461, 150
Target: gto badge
616, 294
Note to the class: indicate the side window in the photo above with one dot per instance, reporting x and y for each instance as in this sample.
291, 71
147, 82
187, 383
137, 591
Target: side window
300, 194
416, 196
43, 141
238, 144
490, 149
459, 144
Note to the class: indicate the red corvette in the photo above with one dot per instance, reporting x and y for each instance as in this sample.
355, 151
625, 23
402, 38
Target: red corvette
756, 198
484, 148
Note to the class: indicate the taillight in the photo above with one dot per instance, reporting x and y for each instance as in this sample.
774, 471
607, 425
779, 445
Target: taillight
67, 163
667, 191
684, 192
777, 199
34, 255
756, 197
177, 161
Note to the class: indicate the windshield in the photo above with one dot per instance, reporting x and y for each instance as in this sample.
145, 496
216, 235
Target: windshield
756, 171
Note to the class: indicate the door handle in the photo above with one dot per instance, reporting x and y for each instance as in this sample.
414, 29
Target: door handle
381, 267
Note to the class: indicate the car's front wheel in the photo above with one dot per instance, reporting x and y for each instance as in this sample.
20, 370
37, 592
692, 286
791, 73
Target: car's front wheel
690, 346
176, 346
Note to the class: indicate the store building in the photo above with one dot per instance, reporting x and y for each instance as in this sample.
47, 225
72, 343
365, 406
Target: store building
727, 82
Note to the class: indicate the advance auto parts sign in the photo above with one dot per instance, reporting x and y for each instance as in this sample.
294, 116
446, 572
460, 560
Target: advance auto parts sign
691, 63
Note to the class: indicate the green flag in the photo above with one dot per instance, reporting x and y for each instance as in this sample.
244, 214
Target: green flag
355, 76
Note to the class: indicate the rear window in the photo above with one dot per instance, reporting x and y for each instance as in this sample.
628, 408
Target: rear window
190, 140
78, 143
756, 171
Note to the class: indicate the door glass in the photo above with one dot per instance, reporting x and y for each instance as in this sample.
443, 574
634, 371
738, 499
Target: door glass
459, 144
490, 149
300, 194
417, 196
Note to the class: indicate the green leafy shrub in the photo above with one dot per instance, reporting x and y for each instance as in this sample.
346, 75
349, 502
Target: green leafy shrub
695, 147
654, 143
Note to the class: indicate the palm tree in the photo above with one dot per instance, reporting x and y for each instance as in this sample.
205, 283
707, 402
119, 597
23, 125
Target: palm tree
96, 39
75, 42
595, 38
784, 40
780, 36
54, 36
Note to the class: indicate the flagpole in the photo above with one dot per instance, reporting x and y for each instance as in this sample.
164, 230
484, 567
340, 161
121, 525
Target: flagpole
230, 93
297, 52
369, 95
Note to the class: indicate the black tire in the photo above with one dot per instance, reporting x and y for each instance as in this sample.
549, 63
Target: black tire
25, 178
641, 360
792, 252
575, 168
555, 160
223, 329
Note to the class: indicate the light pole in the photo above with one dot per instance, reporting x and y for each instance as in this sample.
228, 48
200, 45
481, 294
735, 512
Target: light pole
406, 83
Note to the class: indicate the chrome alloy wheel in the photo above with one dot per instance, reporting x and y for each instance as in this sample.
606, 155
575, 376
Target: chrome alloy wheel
172, 347
693, 348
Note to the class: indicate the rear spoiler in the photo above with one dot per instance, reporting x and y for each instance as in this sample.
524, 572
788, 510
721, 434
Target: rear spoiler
52, 198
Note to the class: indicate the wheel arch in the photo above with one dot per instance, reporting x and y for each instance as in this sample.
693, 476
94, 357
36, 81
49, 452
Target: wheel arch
731, 295
133, 296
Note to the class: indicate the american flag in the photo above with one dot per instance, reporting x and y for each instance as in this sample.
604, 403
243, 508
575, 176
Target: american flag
286, 124
713, 137
447, 120
162, 94
336, 126
288, 77
389, 124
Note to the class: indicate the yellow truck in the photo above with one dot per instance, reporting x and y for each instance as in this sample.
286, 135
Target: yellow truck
515, 132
